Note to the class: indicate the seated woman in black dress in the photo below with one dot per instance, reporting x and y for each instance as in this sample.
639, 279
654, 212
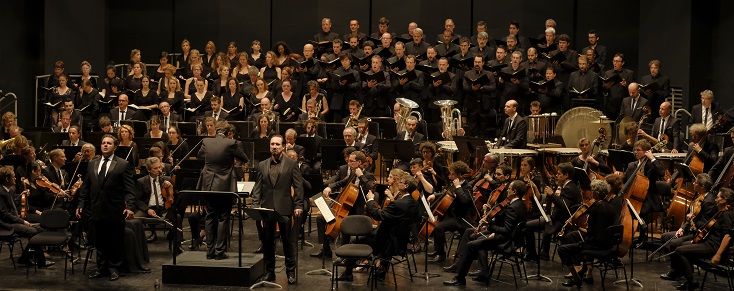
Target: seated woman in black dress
58, 95
231, 98
208, 128
595, 163
314, 93
219, 86
270, 71
38, 199
232, 54
283, 55
181, 147
169, 72
134, 80
159, 72
287, 74
241, 68
190, 86
200, 100
286, 103
155, 129
256, 57
146, 98
263, 129
630, 131
211, 54
183, 58
135, 57
111, 77
173, 95
260, 91
86, 75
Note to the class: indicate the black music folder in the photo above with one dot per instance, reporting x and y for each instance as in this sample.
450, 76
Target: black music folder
444, 77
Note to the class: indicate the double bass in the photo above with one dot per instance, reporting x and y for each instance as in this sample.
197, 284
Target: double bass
595, 175
684, 190
636, 192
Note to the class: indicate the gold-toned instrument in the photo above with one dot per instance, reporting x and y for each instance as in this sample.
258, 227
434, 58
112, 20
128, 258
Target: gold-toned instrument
450, 117
4, 143
406, 109
354, 119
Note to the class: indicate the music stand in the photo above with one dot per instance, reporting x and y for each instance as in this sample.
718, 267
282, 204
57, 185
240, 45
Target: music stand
310, 147
386, 127
334, 130
331, 156
140, 127
685, 170
582, 177
260, 214
190, 197
187, 128
620, 159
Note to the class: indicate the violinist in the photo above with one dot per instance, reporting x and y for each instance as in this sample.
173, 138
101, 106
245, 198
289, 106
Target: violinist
500, 192
151, 196
426, 186
434, 167
498, 237
352, 173
459, 210
601, 215
719, 167
489, 164
594, 162
87, 154
705, 201
712, 246
565, 199
368, 140
653, 171
55, 173
705, 149
39, 199
10, 219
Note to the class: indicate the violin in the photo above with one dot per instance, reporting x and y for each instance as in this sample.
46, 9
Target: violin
575, 218
427, 165
24, 199
44, 183
703, 233
492, 213
167, 193
77, 184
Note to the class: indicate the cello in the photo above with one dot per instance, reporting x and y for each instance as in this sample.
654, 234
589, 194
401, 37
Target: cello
479, 198
635, 191
684, 190
442, 206
595, 175
341, 207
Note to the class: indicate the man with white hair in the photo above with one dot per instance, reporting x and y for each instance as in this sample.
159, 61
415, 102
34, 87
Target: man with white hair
418, 46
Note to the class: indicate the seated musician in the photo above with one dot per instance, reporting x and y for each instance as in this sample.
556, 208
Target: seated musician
150, 201
601, 215
704, 147
39, 199
105, 124
55, 172
631, 130
514, 131
714, 246
74, 137
665, 125
499, 193
461, 209
311, 126
410, 133
720, 167
157, 152
497, 236
350, 138
353, 173
653, 171
367, 139
263, 127
595, 163
489, 164
425, 186
310, 111
354, 112
565, 199
386, 242
705, 201
290, 142
433, 166
10, 220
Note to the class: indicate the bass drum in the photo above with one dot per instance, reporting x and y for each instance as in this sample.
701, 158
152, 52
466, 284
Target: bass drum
619, 128
580, 122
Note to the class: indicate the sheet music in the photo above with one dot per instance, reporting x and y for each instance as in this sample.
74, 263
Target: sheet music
325, 209
428, 209
245, 187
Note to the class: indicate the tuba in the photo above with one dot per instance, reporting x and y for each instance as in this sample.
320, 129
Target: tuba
406, 106
450, 117
6, 142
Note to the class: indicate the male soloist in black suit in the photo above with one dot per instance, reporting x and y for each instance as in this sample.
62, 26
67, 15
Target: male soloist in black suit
219, 154
110, 191
279, 187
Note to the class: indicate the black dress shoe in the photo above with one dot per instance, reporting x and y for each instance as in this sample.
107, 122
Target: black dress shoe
320, 254
670, 276
687, 286
46, 264
153, 237
451, 268
476, 272
209, 257
531, 258
291, 279
572, 282
270, 277
98, 274
259, 249
25, 261
431, 254
438, 259
589, 280
347, 277
481, 279
114, 276
544, 257
455, 282
221, 256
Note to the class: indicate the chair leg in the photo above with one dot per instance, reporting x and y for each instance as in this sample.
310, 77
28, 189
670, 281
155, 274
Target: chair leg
705, 275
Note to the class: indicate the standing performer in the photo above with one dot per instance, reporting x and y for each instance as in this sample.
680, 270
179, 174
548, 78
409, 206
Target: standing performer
218, 154
279, 187
110, 190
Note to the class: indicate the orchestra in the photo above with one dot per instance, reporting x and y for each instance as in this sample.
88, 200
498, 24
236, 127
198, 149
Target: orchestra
479, 184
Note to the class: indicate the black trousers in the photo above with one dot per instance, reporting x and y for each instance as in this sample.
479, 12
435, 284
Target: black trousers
682, 259
439, 232
108, 237
324, 239
477, 248
28, 232
217, 225
287, 237
533, 226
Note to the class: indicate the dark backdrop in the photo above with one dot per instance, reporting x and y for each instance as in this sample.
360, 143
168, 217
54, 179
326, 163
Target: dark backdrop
689, 39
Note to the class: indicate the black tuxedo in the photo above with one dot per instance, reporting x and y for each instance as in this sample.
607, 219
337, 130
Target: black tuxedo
672, 130
173, 117
417, 137
697, 112
387, 241
718, 168
67, 142
144, 190
627, 110
130, 114
365, 183
515, 136
222, 114
108, 198
53, 176
276, 194
709, 154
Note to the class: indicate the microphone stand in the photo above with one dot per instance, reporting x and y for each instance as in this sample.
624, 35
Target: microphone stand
631, 252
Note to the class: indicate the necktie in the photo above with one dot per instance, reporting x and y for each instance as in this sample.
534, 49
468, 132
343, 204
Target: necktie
155, 192
103, 171
662, 128
122, 115
61, 178
510, 125
165, 124
215, 116
706, 119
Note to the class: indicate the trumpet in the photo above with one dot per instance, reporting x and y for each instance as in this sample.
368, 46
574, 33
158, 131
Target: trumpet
450, 117
353, 119
406, 106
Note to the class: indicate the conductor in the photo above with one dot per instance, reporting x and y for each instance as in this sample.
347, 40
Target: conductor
219, 154
279, 187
